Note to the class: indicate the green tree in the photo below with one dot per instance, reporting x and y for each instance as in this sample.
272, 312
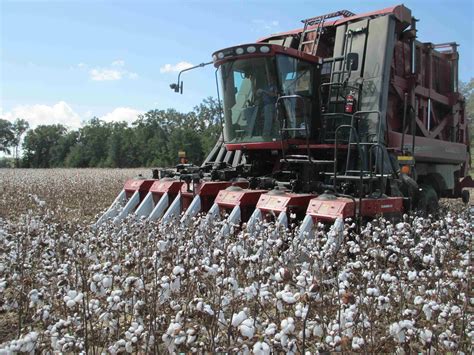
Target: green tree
209, 117
123, 150
467, 89
91, 148
19, 127
39, 144
6, 136
62, 148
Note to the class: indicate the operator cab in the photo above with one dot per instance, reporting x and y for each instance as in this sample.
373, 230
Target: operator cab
268, 91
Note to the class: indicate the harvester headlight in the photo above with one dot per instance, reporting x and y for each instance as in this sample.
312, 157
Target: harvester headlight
214, 57
264, 49
251, 49
220, 55
239, 51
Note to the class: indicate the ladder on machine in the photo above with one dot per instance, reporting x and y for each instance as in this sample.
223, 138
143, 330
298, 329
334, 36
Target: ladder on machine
309, 27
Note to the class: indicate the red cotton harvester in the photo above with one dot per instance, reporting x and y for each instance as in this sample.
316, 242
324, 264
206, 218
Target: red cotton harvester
348, 117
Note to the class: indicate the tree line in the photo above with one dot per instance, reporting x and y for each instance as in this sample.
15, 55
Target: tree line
153, 139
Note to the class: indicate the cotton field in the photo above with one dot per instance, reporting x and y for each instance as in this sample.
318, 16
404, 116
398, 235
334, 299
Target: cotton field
141, 287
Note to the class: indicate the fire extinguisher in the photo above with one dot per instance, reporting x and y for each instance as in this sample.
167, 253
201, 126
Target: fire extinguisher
350, 103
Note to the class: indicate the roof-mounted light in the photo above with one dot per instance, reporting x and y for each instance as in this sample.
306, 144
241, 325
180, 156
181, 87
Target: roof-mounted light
251, 49
220, 55
239, 51
264, 49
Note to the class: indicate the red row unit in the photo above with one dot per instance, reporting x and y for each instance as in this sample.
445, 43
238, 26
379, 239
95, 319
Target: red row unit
327, 208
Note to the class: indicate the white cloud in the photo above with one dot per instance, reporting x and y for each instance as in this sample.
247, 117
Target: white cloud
126, 114
118, 63
271, 26
169, 68
44, 115
115, 71
132, 75
62, 113
101, 74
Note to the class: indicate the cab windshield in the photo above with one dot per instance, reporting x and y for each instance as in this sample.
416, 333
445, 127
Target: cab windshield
250, 89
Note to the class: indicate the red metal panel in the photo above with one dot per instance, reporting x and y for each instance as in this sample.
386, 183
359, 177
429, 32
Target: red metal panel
283, 202
428, 149
402, 13
208, 188
381, 206
329, 210
207, 191
263, 145
274, 49
160, 187
141, 185
232, 198
170, 186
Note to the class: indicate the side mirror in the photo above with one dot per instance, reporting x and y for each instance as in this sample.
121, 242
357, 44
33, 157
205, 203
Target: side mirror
352, 61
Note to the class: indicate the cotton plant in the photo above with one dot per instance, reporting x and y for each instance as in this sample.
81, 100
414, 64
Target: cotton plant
145, 287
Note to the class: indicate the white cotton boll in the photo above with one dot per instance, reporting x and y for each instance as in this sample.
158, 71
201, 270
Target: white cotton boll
357, 343
411, 275
247, 328
238, 318
70, 303
318, 331
208, 310
97, 277
287, 325
373, 291
427, 310
261, 348
173, 329
34, 296
107, 282
271, 329
79, 297
427, 259
425, 336
400, 329
177, 270
180, 339
400, 226
175, 285
72, 294
418, 300
289, 297
93, 287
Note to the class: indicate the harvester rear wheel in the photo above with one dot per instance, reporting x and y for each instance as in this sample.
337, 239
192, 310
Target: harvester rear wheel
427, 200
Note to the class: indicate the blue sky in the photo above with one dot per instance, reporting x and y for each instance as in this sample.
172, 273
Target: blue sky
66, 61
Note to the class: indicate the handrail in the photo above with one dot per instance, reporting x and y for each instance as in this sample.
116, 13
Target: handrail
361, 181
382, 148
306, 125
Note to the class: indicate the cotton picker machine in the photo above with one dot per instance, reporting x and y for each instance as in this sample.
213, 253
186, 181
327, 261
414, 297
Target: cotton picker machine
348, 117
